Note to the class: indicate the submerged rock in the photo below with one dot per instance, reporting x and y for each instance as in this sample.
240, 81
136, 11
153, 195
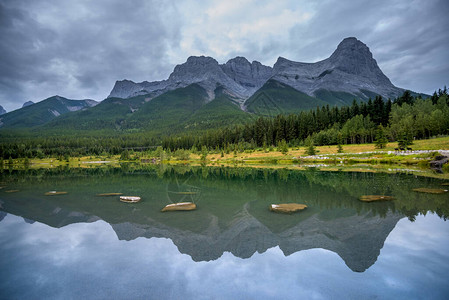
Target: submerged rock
180, 206
430, 191
52, 193
371, 198
287, 207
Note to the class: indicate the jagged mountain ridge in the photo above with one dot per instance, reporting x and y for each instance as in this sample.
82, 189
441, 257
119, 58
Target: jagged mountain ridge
239, 78
2, 110
350, 69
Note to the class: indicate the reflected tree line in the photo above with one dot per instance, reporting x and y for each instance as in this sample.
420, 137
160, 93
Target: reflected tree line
326, 190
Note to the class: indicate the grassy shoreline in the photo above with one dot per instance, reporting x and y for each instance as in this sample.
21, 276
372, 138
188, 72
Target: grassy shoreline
356, 157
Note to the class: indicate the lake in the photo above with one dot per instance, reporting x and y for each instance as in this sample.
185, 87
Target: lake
80, 245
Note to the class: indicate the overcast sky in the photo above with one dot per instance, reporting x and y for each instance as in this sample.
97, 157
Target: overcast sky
78, 49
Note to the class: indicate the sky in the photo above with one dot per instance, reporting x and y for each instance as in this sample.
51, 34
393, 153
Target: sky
78, 49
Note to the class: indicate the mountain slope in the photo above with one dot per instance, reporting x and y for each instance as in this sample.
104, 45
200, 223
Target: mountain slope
167, 111
278, 98
182, 109
42, 112
110, 114
220, 112
2, 110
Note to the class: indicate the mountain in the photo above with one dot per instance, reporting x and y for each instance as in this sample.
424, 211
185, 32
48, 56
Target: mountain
238, 77
174, 111
202, 94
28, 103
350, 69
43, 112
111, 113
350, 72
2, 110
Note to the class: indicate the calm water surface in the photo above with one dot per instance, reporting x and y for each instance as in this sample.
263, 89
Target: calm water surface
80, 245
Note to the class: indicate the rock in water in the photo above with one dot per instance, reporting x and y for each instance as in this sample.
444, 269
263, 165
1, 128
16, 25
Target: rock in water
54, 193
130, 199
109, 194
371, 198
430, 191
287, 207
180, 206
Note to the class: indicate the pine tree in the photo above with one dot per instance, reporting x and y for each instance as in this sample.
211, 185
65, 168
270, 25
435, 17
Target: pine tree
381, 139
310, 146
339, 148
405, 140
283, 147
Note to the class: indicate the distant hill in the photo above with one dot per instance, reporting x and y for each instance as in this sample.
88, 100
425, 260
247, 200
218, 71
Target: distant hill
42, 112
2, 110
182, 109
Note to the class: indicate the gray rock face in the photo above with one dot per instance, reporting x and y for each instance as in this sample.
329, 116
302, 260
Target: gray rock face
2, 110
28, 103
238, 77
351, 68
250, 75
127, 88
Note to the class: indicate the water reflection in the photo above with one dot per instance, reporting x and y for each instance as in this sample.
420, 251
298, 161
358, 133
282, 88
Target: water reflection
85, 260
232, 213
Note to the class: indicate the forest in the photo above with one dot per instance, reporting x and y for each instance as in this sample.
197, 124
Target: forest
402, 119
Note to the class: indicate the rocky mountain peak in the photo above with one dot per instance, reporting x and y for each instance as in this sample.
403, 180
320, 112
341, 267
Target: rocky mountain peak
28, 103
350, 69
354, 57
196, 68
249, 75
351, 49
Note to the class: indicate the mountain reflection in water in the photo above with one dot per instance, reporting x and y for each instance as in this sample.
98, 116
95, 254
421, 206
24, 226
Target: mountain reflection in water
232, 214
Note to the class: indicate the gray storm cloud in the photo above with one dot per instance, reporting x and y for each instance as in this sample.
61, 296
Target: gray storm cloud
78, 49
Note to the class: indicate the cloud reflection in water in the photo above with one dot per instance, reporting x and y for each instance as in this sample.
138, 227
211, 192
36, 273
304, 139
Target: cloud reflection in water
86, 260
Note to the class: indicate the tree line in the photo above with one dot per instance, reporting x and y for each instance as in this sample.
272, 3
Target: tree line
404, 118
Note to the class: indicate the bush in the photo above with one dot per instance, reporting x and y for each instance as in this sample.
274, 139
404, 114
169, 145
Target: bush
283, 147
182, 154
